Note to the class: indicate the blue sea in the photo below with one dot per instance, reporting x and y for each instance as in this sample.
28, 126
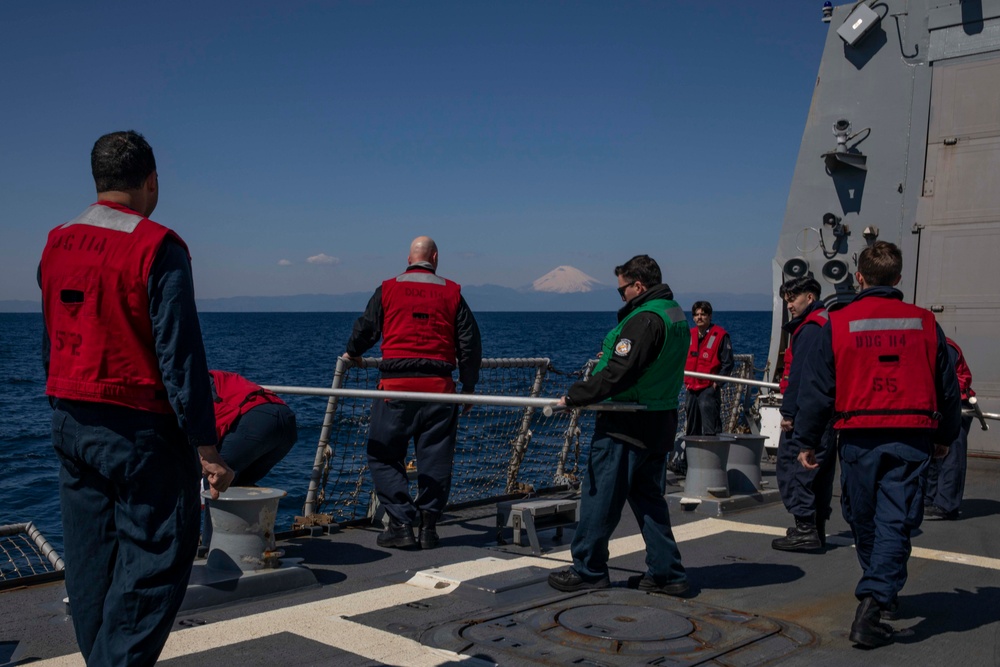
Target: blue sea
277, 349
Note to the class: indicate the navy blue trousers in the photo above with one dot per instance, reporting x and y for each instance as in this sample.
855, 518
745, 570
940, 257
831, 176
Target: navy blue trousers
432, 426
618, 472
946, 477
703, 412
128, 488
262, 437
807, 494
883, 488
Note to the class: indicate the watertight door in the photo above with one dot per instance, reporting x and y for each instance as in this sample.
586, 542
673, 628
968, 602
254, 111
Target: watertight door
958, 275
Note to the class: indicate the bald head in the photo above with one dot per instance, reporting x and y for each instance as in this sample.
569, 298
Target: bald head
423, 249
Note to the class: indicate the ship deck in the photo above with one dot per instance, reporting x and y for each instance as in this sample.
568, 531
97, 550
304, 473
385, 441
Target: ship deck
471, 601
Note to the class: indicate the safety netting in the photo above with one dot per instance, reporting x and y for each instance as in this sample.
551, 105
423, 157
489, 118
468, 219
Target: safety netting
501, 450
26, 555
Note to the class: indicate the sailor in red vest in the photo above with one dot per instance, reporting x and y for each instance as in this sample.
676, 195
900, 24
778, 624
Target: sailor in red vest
132, 408
946, 476
882, 372
426, 330
255, 427
806, 493
710, 352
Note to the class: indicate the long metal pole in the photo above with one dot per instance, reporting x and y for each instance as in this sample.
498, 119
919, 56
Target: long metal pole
312, 495
465, 399
726, 378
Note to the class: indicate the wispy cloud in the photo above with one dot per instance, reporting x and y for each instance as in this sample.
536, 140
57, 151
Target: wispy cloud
284, 262
323, 258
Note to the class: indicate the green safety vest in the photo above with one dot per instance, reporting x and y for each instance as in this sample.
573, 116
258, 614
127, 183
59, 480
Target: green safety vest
659, 386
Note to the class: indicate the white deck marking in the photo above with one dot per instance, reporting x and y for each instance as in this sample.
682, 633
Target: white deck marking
959, 559
325, 621
917, 552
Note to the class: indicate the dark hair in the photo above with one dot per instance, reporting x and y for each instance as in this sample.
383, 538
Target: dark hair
641, 268
702, 305
793, 287
880, 264
121, 161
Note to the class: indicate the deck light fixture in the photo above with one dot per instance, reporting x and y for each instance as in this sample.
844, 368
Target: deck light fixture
843, 156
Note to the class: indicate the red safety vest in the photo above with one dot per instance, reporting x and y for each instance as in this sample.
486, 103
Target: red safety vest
95, 275
234, 397
817, 317
885, 355
963, 371
703, 356
419, 311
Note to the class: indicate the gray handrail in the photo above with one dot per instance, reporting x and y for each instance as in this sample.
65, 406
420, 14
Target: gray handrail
336, 391
464, 399
734, 380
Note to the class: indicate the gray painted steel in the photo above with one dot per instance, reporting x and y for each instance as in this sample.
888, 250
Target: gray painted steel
921, 92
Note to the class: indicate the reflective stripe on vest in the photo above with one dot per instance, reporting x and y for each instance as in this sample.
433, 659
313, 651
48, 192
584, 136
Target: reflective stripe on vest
703, 356
95, 275
419, 310
885, 362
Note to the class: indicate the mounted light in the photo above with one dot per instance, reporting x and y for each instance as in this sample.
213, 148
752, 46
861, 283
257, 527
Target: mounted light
836, 271
827, 11
796, 267
843, 156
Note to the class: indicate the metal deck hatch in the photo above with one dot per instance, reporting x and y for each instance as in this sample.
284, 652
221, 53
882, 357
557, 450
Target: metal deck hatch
621, 627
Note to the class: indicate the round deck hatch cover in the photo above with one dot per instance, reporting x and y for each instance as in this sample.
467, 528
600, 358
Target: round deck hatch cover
625, 622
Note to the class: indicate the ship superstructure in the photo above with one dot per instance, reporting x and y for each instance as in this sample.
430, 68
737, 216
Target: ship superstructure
902, 144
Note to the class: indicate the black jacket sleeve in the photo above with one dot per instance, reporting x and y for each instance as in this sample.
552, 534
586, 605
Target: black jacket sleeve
726, 357
368, 328
469, 347
803, 344
646, 334
949, 395
179, 346
816, 393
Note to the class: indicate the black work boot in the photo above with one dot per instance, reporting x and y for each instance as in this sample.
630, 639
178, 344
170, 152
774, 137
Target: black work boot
644, 582
890, 612
396, 536
428, 533
821, 531
867, 630
678, 465
570, 581
804, 537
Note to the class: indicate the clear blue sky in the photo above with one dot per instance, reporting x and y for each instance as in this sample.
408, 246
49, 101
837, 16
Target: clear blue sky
520, 135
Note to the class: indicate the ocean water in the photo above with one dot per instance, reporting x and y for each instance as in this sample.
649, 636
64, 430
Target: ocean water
279, 349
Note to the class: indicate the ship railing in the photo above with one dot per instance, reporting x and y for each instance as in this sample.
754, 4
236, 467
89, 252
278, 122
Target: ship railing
512, 442
26, 556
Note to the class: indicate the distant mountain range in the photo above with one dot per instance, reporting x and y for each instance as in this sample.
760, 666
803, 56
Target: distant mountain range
479, 297
562, 289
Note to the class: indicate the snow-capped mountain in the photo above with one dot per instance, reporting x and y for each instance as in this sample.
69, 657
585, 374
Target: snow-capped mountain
565, 280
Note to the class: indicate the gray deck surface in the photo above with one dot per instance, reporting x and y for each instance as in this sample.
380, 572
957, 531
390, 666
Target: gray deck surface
950, 608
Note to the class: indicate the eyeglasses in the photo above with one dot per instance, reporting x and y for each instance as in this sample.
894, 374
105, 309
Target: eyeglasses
621, 290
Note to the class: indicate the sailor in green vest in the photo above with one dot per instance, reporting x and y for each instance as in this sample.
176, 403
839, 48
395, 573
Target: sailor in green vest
642, 361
